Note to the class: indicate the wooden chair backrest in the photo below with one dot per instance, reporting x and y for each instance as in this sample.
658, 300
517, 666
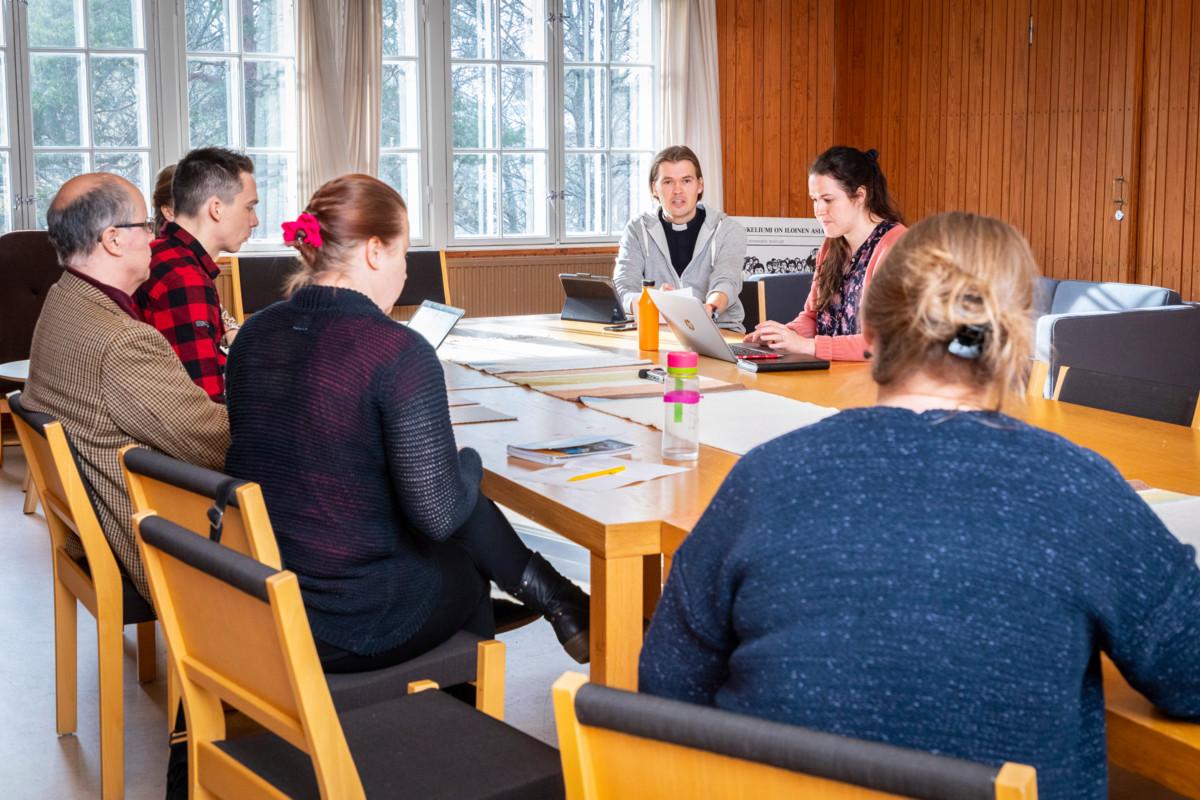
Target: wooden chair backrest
427, 279
246, 526
64, 496
237, 633
599, 762
1164, 402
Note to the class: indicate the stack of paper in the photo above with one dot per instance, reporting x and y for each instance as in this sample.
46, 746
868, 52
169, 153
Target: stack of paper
605, 382
733, 421
500, 355
1179, 512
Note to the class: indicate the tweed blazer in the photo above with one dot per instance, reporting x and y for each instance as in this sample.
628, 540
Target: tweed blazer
113, 380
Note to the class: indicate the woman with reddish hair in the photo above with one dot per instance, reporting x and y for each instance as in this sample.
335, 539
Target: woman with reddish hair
340, 414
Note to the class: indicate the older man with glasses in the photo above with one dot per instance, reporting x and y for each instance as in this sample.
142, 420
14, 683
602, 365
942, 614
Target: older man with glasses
110, 378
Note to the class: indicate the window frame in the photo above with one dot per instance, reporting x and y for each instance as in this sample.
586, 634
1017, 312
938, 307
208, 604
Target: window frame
425, 105
18, 67
238, 56
439, 126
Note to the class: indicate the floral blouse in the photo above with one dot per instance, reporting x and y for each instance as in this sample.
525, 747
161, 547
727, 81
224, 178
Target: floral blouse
840, 315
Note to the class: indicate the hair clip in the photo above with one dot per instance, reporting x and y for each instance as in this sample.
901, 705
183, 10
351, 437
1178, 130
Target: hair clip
305, 229
968, 341
872, 155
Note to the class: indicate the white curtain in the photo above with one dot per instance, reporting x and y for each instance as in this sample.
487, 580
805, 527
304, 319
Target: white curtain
339, 60
691, 96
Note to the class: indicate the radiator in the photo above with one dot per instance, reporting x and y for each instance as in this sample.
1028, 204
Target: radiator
495, 285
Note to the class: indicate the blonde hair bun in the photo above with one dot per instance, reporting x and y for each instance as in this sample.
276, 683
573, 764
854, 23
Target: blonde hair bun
954, 297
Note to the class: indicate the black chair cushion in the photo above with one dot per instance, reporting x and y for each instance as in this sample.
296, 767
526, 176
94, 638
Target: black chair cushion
451, 662
426, 745
134, 608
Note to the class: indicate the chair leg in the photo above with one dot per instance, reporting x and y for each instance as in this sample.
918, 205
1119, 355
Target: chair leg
145, 652
489, 678
65, 666
173, 698
112, 709
31, 496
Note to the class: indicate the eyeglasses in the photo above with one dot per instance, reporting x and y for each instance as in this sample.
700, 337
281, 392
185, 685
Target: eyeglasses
147, 226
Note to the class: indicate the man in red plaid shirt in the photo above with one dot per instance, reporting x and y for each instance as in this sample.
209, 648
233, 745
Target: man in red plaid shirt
215, 197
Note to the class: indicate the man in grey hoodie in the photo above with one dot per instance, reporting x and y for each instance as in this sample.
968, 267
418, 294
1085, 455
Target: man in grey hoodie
683, 245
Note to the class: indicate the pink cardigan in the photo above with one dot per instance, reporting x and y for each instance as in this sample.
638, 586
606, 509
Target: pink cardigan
841, 348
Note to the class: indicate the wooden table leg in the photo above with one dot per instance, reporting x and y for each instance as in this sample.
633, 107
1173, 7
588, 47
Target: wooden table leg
652, 573
616, 624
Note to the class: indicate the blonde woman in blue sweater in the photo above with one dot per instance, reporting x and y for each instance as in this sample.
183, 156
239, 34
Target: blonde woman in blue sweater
952, 589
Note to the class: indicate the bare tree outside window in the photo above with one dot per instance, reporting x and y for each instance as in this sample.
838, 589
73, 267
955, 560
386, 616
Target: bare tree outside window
241, 94
401, 149
506, 181
87, 90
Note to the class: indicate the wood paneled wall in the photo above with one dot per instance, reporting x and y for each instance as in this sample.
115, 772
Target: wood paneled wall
967, 114
776, 63
1168, 246
941, 95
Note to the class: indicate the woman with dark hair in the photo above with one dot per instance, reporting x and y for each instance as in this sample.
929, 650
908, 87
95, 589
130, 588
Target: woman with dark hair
340, 414
164, 202
936, 575
851, 200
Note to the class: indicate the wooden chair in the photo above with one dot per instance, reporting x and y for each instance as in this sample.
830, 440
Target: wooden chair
200, 499
618, 744
1164, 402
237, 633
97, 583
778, 297
427, 279
257, 281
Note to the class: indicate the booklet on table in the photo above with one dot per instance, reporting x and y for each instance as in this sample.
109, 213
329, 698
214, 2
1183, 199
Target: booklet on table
560, 450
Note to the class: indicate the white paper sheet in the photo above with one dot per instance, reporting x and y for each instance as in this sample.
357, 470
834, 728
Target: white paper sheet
631, 472
1179, 512
733, 421
500, 354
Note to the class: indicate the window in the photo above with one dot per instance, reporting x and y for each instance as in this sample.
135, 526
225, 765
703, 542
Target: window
87, 93
608, 113
400, 143
7, 201
498, 126
550, 122
241, 93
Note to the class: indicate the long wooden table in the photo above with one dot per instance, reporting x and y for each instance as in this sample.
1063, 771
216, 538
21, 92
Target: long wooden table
629, 530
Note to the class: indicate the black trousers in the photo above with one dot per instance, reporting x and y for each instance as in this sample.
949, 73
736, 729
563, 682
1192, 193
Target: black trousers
484, 549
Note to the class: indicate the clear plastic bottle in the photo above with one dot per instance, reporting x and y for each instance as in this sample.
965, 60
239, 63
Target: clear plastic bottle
647, 319
681, 407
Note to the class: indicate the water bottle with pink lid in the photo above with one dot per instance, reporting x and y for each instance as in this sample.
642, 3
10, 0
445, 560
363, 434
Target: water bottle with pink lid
681, 403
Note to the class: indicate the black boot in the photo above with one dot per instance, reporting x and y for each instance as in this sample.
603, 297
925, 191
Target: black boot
561, 602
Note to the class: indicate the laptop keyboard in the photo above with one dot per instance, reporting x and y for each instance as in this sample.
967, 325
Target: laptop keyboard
747, 351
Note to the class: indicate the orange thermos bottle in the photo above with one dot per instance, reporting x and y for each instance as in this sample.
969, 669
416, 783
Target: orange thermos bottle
647, 319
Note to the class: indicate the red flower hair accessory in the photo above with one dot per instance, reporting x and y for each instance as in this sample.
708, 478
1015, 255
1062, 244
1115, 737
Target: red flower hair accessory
305, 229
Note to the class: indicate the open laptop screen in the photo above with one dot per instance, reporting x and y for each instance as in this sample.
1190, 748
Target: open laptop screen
434, 321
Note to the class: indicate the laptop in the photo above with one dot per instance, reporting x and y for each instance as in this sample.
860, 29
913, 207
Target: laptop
591, 298
696, 330
434, 321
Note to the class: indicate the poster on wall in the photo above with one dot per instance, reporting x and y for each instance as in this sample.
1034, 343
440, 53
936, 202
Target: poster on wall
781, 244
